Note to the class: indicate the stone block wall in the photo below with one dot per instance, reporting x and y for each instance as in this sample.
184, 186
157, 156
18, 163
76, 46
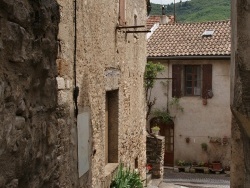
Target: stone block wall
29, 130
110, 59
38, 129
155, 155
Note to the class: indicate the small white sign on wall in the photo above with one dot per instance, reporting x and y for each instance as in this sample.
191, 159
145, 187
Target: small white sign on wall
83, 142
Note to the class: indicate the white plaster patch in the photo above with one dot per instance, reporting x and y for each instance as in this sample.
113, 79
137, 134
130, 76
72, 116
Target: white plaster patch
112, 79
68, 84
60, 83
83, 142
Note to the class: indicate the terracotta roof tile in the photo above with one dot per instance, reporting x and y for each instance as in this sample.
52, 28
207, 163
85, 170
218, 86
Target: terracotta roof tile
152, 20
185, 39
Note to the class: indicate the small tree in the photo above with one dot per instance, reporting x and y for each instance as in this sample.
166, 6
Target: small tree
151, 71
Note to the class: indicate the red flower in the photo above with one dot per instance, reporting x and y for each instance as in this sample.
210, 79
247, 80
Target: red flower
149, 167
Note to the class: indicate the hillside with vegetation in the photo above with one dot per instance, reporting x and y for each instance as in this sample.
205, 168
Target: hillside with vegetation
196, 10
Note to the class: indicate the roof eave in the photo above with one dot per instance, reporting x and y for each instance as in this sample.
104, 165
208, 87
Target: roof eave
189, 57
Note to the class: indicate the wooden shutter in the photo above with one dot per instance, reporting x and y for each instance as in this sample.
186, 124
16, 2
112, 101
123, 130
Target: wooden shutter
207, 80
122, 12
176, 82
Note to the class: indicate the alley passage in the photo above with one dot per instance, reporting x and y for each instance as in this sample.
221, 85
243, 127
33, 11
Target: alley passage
194, 180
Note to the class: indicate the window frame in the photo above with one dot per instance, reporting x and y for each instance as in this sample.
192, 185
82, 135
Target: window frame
196, 71
178, 80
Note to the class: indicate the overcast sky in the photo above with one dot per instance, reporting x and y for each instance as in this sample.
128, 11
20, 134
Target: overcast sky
165, 2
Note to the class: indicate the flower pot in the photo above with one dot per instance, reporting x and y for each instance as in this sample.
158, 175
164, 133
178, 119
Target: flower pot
204, 101
216, 166
155, 132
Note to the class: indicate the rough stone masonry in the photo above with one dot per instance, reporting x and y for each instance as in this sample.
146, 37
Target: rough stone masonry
38, 130
28, 93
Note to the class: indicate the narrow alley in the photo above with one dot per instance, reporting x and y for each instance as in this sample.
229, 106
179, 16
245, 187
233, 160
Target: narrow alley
173, 179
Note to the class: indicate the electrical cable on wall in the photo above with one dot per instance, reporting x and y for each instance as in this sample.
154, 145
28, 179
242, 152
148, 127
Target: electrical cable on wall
76, 88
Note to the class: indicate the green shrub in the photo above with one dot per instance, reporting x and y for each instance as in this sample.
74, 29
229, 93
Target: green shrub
126, 179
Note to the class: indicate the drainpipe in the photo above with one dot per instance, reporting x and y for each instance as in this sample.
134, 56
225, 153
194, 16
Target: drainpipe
168, 86
76, 88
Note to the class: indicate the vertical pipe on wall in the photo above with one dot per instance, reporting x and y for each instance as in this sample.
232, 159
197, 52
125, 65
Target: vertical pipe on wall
76, 89
174, 13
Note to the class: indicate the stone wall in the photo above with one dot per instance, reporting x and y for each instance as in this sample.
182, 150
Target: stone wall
240, 94
155, 155
38, 129
110, 59
29, 132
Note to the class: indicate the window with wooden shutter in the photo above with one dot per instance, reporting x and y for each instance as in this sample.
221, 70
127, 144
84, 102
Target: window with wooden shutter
192, 85
207, 80
176, 82
122, 12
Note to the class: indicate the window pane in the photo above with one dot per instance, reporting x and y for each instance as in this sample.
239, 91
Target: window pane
189, 84
168, 147
189, 77
189, 69
199, 83
196, 77
189, 91
197, 91
198, 70
193, 80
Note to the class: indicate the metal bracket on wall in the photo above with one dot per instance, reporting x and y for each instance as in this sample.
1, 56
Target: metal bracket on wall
133, 27
129, 27
144, 31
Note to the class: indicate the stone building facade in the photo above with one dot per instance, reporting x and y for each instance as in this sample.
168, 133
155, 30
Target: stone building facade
197, 73
45, 61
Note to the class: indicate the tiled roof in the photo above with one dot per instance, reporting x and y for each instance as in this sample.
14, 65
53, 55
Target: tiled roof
185, 39
151, 20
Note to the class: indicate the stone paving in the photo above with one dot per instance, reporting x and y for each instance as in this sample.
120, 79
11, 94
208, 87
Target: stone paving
173, 179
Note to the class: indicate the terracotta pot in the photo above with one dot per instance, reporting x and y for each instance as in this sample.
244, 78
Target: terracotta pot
217, 166
204, 101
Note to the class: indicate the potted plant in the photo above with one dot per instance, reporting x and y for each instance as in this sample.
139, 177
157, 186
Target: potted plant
227, 169
217, 166
204, 146
155, 130
148, 168
162, 116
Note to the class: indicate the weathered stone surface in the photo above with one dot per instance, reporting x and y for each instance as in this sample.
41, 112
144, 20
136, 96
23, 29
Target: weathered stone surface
2, 181
60, 83
19, 122
39, 147
12, 184
27, 92
155, 155
240, 94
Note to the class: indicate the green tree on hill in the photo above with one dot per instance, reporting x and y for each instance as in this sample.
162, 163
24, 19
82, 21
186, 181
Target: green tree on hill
197, 10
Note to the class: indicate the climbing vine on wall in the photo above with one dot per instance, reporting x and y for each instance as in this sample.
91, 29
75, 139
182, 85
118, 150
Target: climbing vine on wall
151, 71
